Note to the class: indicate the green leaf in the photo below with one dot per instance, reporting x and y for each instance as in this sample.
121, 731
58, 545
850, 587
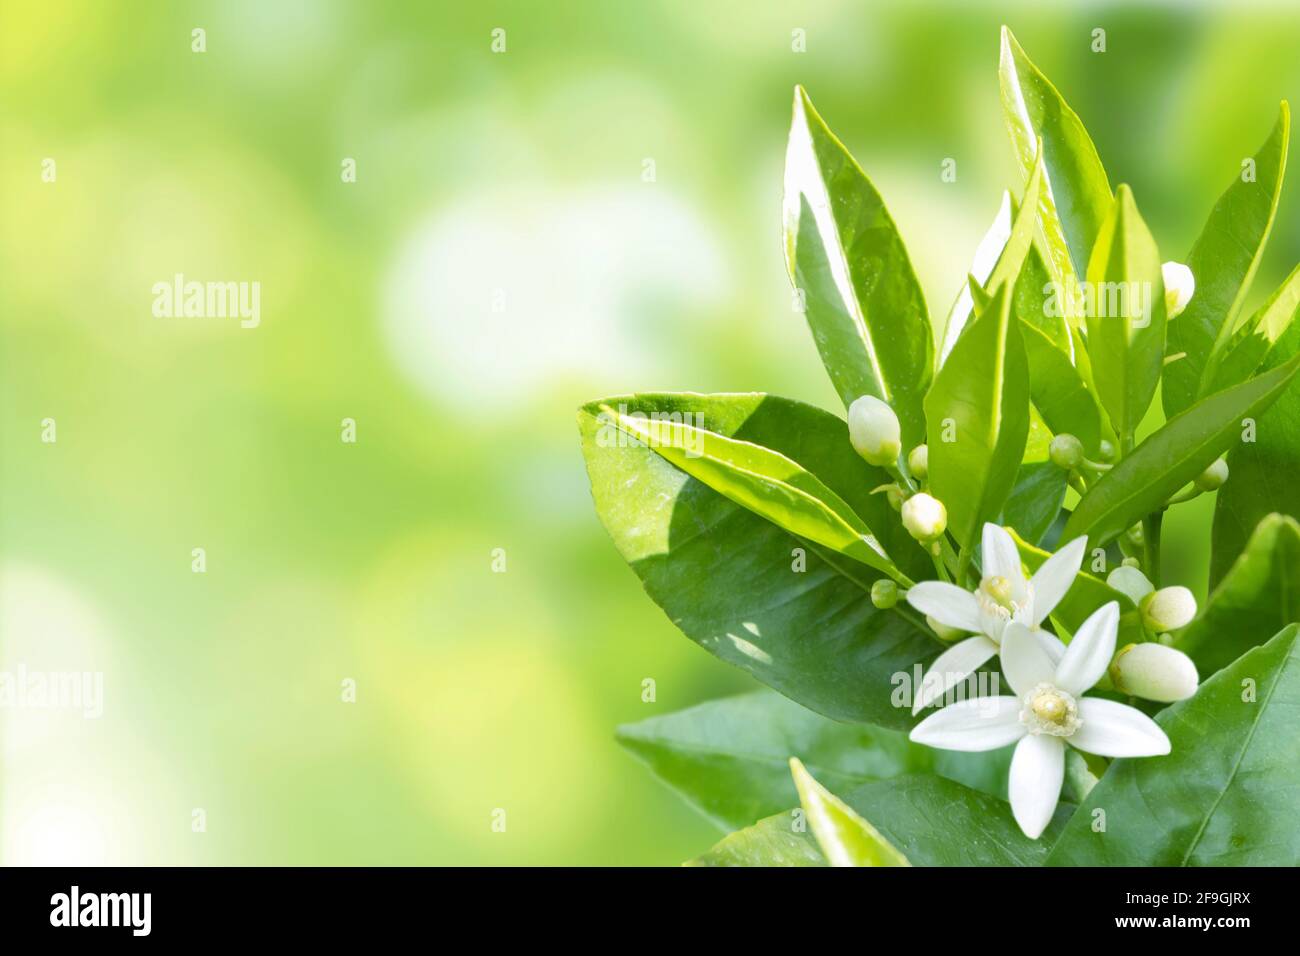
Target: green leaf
1258, 480
1254, 339
1126, 320
1076, 196
1258, 596
796, 616
1038, 305
1035, 500
1225, 795
862, 299
844, 837
1223, 263
1142, 482
986, 257
935, 822
1058, 391
978, 420
731, 757
762, 480
1021, 240
1086, 595
773, 841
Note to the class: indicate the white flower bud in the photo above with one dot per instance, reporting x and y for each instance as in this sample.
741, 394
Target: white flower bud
1179, 286
924, 516
1154, 672
918, 461
1213, 477
1168, 609
1127, 579
874, 431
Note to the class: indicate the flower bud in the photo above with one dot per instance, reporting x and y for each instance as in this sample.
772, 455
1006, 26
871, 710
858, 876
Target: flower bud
873, 430
1179, 286
884, 594
1066, 452
1137, 535
918, 461
1154, 672
924, 516
1129, 580
1213, 477
1168, 609
1106, 450
943, 631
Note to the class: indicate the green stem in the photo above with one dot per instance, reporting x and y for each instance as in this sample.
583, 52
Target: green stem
1187, 494
1151, 537
940, 568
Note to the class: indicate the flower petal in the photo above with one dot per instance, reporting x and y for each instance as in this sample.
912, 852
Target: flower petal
981, 723
1000, 555
951, 668
946, 603
1051, 644
1037, 771
1111, 729
1089, 654
1024, 660
1055, 577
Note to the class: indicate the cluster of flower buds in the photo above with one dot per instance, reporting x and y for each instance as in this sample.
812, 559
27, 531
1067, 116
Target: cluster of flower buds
875, 434
1152, 670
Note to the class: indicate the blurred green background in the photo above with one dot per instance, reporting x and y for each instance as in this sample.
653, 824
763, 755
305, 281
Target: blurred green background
500, 259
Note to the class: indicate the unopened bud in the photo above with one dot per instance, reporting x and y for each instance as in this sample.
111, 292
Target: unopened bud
1136, 535
1106, 450
1127, 579
884, 594
1213, 477
1168, 609
918, 461
1066, 452
1154, 672
943, 631
1179, 286
924, 517
874, 431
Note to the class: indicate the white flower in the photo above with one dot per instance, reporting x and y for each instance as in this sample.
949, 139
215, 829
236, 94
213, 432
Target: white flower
1179, 286
1004, 595
874, 431
1047, 713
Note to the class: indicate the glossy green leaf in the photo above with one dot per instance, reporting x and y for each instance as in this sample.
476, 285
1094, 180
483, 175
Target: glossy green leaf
1225, 795
844, 837
1020, 241
978, 420
762, 480
862, 299
1170, 458
935, 822
779, 840
1125, 315
1077, 195
1223, 262
731, 757
1259, 470
1058, 390
1258, 596
986, 257
796, 616
1254, 340
1037, 304
1035, 500
1088, 593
